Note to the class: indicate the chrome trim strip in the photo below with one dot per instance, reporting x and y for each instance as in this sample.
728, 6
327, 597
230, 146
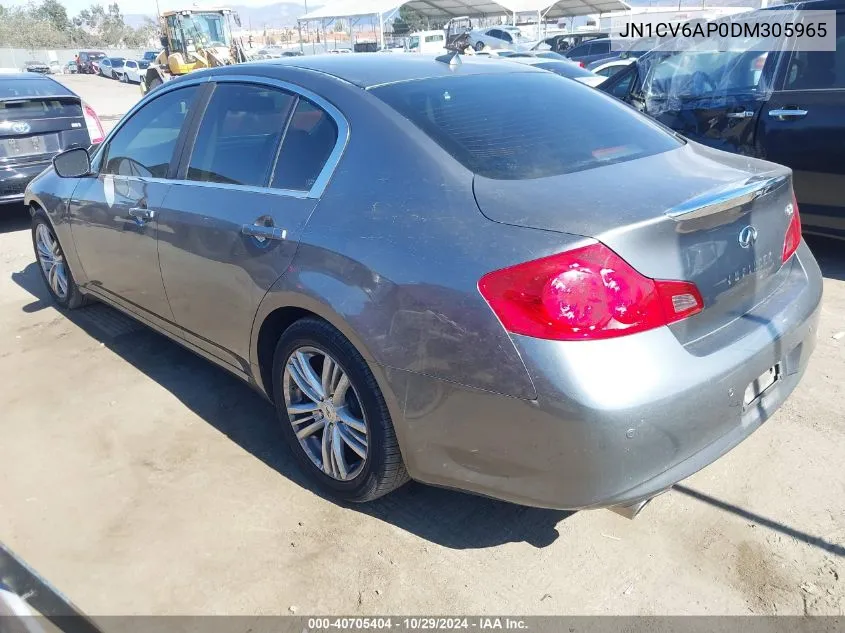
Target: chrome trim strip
731, 196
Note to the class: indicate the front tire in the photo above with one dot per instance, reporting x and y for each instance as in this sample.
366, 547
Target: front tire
52, 263
333, 414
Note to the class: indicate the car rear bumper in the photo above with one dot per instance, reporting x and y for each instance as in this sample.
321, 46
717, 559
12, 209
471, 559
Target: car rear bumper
616, 421
14, 179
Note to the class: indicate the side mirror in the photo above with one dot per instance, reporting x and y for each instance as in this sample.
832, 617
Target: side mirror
73, 163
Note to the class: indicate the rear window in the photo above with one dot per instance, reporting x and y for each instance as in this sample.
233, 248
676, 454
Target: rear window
538, 125
20, 87
565, 69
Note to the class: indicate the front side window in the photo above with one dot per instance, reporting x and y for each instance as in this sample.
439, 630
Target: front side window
520, 134
309, 141
144, 145
239, 136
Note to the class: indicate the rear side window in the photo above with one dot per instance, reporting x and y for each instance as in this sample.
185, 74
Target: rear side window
309, 141
239, 136
579, 51
144, 145
524, 133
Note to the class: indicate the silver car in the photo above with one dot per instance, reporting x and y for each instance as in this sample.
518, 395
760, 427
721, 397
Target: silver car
496, 295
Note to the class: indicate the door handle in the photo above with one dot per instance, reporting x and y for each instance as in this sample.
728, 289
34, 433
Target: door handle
264, 232
142, 215
745, 114
788, 113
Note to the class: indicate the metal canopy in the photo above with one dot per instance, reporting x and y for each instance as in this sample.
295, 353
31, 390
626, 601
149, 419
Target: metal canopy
564, 8
472, 8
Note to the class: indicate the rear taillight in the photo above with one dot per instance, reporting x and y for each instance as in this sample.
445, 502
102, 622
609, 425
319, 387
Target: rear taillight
582, 64
92, 122
793, 231
586, 293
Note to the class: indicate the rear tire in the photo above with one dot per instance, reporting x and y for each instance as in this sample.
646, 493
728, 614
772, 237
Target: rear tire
52, 263
343, 403
479, 46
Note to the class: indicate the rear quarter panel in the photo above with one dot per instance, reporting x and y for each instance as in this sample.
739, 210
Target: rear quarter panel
394, 250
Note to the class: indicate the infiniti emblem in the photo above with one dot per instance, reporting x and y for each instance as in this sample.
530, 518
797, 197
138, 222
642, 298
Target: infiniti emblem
747, 236
20, 127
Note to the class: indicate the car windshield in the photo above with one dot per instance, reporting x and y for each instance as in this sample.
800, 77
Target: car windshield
413, 42
143, 63
96, 56
34, 63
520, 134
150, 55
116, 61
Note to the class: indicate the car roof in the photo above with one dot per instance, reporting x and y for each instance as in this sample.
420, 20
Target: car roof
369, 69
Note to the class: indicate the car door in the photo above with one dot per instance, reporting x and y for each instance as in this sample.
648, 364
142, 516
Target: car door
114, 214
711, 97
105, 67
246, 187
803, 127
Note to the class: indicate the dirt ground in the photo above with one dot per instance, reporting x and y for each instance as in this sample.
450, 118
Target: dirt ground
138, 478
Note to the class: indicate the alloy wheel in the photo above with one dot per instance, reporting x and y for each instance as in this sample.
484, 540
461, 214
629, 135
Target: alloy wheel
51, 260
325, 412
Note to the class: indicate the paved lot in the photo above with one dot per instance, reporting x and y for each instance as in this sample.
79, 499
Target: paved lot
140, 479
110, 99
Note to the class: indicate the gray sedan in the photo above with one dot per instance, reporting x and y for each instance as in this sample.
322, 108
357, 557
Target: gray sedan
496, 295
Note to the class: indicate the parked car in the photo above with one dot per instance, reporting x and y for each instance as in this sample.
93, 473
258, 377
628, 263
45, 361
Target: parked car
39, 117
55, 67
563, 68
33, 66
427, 42
590, 51
562, 42
487, 313
88, 62
786, 107
132, 70
608, 68
503, 36
150, 56
70, 68
112, 67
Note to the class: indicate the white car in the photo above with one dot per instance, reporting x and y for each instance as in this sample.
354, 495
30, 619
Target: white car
55, 67
111, 67
564, 68
427, 42
503, 36
610, 68
132, 70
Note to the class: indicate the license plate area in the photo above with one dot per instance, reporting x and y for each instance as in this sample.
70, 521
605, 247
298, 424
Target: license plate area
29, 145
760, 385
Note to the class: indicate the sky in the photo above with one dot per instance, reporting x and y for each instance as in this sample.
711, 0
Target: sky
145, 7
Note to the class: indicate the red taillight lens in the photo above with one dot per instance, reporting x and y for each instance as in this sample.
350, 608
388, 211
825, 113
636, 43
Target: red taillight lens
92, 122
582, 64
586, 293
793, 232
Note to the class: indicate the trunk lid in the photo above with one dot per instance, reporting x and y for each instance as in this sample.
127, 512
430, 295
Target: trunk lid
35, 128
683, 214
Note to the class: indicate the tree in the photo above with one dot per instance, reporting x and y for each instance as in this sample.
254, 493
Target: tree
408, 21
54, 12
